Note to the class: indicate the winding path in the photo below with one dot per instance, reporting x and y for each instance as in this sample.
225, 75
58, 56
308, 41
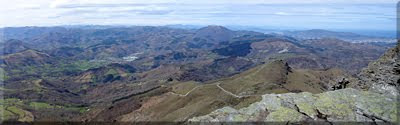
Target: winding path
218, 85
230, 93
186, 93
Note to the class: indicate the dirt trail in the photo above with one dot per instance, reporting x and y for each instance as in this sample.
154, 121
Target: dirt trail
218, 85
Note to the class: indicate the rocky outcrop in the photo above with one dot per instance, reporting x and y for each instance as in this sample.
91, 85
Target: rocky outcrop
334, 106
383, 75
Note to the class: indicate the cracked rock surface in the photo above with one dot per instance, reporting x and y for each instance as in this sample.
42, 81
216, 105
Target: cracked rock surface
334, 106
383, 75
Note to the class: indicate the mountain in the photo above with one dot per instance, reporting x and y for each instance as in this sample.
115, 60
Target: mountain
325, 33
13, 46
24, 33
26, 58
147, 73
338, 53
182, 100
377, 105
316, 54
109, 73
382, 76
217, 33
181, 26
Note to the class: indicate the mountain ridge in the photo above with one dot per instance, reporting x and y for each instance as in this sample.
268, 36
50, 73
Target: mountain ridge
377, 105
163, 74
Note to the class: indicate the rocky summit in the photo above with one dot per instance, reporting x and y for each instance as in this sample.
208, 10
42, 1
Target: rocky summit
335, 106
383, 75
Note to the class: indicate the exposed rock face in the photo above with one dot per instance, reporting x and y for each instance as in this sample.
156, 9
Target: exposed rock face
340, 83
383, 75
334, 106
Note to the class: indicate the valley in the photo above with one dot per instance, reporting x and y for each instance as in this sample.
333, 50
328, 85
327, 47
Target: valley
164, 74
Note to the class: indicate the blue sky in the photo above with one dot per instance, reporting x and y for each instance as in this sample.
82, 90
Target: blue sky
321, 14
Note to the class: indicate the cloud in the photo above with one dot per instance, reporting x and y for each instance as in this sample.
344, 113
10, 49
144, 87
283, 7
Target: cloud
29, 6
282, 13
110, 10
58, 3
105, 3
329, 13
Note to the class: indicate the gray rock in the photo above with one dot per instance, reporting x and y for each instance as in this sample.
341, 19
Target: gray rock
334, 106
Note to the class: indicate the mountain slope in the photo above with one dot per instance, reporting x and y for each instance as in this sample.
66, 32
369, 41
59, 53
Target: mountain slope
26, 58
383, 75
378, 104
13, 46
146, 73
182, 100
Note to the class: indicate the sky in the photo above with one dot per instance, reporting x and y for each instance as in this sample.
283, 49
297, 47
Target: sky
310, 14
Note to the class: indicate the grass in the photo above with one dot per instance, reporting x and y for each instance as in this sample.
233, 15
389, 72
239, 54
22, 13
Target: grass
84, 87
6, 90
305, 81
247, 101
42, 105
85, 65
204, 99
16, 110
201, 101
13, 108
274, 78
263, 79
208, 97
112, 72
257, 81
184, 87
148, 64
12, 101
78, 109
6, 114
60, 67
22, 115
3, 75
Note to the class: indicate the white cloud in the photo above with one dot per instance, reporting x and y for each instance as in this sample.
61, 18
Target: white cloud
287, 1
239, 12
29, 6
282, 13
58, 3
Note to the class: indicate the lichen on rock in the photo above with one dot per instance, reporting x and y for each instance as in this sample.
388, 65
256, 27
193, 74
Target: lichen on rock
348, 105
284, 114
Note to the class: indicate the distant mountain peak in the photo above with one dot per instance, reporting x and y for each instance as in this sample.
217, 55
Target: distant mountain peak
217, 33
215, 28
319, 30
